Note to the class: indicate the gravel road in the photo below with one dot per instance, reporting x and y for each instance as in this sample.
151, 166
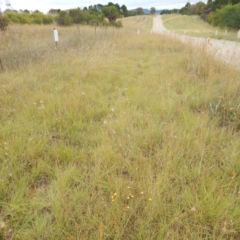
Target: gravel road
226, 51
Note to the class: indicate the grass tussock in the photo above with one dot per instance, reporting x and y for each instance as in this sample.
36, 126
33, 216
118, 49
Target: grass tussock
124, 138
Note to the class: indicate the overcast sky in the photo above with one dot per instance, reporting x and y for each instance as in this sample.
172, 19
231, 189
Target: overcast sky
46, 5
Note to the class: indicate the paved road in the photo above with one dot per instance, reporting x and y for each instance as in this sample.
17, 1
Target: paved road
226, 51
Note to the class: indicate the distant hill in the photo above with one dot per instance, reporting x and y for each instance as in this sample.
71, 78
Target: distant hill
146, 11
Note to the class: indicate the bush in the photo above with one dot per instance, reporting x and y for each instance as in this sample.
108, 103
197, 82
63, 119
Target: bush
228, 16
47, 20
117, 24
64, 19
3, 23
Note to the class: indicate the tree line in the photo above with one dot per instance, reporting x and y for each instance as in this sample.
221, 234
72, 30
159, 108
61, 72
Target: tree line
97, 14
222, 13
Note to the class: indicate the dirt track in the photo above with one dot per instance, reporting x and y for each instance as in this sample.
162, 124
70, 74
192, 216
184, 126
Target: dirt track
226, 51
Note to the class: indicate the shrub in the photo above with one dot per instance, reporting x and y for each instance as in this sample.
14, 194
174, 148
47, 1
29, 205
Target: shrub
228, 16
64, 19
3, 23
117, 24
47, 20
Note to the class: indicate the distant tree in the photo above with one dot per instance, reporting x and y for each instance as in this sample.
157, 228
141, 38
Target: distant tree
64, 19
186, 9
99, 7
26, 11
166, 11
76, 15
124, 10
108, 10
110, 4
197, 9
152, 10
117, 6
139, 11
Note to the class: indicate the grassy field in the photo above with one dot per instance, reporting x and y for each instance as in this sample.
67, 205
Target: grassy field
195, 26
116, 136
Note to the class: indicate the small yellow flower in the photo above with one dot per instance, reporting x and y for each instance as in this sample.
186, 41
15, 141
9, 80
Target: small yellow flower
150, 199
115, 194
129, 187
142, 193
128, 207
128, 197
132, 196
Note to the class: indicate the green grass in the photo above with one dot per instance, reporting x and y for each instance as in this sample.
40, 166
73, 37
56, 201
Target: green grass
115, 138
195, 26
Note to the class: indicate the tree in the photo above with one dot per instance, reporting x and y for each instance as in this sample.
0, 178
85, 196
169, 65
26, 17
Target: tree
139, 11
124, 10
152, 10
108, 10
76, 15
99, 7
197, 9
64, 19
227, 16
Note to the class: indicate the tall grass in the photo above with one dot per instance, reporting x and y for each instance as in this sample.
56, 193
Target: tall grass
117, 140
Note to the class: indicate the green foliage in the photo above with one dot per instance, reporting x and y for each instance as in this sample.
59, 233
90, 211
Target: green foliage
124, 10
64, 19
77, 15
117, 24
228, 16
217, 4
198, 8
26, 17
108, 10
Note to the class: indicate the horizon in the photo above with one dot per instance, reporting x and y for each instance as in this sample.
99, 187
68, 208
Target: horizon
44, 6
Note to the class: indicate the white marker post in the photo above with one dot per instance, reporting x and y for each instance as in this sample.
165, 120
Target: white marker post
216, 33
238, 34
55, 33
138, 31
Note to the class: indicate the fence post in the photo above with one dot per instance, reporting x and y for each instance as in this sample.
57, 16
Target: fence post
55, 33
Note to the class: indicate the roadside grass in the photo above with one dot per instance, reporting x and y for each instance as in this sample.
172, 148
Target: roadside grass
195, 26
143, 23
122, 136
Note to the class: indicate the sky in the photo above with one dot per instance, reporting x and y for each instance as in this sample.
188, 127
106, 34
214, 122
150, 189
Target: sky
46, 5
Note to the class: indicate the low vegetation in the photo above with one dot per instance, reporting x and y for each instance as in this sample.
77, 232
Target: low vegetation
29, 18
116, 135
